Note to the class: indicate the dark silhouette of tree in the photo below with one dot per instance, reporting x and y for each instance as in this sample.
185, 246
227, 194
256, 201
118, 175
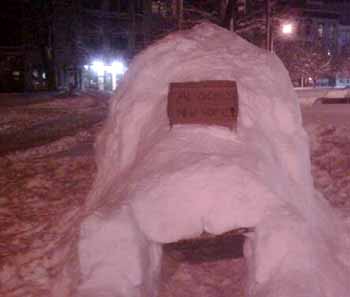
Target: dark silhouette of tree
41, 36
341, 63
304, 60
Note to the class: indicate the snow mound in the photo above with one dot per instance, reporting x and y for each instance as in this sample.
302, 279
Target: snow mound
157, 185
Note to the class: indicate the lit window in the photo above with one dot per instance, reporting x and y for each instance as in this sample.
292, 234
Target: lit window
320, 29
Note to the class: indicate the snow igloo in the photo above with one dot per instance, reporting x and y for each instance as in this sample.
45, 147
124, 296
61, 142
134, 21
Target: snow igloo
158, 184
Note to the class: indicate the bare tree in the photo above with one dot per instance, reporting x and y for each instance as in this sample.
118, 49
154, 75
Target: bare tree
305, 60
341, 63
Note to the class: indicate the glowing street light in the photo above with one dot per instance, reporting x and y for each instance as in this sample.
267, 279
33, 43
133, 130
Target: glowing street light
118, 67
287, 28
98, 67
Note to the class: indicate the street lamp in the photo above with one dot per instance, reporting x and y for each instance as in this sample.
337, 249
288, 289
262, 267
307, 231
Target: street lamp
115, 70
287, 28
99, 67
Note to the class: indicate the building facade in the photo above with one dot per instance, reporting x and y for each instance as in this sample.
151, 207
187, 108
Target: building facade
54, 43
12, 51
87, 32
61, 44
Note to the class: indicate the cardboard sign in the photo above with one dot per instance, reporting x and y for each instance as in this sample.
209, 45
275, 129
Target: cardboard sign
205, 102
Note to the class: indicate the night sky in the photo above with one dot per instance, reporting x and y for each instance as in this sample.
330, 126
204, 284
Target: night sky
11, 27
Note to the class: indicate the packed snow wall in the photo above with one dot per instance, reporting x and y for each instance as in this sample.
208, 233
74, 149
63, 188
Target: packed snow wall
157, 184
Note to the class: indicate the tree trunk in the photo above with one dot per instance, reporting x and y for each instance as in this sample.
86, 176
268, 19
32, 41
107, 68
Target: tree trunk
174, 8
179, 13
49, 65
230, 15
147, 21
28, 81
132, 27
49, 51
222, 10
268, 26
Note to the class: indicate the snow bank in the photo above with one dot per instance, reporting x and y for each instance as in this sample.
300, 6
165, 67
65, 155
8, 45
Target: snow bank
157, 185
308, 96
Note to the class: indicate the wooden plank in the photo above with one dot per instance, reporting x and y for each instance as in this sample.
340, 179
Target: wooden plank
204, 103
208, 247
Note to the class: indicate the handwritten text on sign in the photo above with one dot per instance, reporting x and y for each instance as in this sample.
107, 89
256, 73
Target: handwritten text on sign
204, 102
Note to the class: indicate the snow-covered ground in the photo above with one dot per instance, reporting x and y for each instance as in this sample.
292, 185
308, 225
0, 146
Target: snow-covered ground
328, 127
47, 166
308, 96
43, 190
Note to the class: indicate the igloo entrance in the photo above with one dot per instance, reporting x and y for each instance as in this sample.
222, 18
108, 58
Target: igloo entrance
205, 266
208, 265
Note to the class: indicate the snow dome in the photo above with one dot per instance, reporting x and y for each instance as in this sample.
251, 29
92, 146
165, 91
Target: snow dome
157, 184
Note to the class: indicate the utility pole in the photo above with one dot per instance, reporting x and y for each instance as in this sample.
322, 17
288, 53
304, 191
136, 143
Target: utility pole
179, 12
268, 25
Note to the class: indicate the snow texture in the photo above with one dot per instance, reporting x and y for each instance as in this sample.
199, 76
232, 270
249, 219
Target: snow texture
47, 166
156, 185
